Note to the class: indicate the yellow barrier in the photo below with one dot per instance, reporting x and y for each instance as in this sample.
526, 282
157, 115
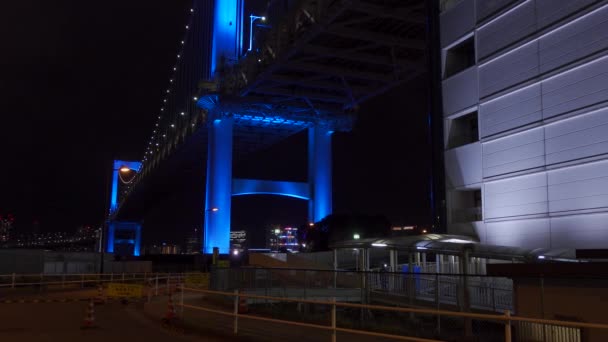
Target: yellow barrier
117, 290
199, 280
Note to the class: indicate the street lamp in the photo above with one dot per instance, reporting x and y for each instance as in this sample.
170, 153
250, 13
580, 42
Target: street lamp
124, 169
253, 18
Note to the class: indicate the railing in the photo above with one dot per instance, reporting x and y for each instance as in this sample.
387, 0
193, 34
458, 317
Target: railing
16, 280
496, 327
427, 289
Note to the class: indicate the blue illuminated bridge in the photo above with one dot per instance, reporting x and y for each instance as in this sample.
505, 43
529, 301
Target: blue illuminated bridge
248, 77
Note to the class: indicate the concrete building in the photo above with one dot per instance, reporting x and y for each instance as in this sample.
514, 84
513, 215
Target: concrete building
525, 109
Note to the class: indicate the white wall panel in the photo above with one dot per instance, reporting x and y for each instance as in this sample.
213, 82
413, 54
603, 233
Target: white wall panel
529, 234
460, 91
506, 29
463, 165
579, 187
580, 38
580, 231
514, 153
485, 8
575, 89
578, 137
509, 69
523, 195
456, 22
510, 111
550, 11
473, 229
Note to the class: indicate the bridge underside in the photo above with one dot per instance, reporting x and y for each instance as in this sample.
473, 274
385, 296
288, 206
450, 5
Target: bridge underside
311, 69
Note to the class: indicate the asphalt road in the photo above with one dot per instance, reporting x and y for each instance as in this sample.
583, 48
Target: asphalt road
62, 322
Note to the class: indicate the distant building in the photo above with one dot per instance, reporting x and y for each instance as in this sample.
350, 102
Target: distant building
282, 238
169, 249
238, 240
193, 243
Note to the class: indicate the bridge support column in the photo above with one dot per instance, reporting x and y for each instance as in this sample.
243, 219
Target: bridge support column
111, 233
132, 227
319, 172
219, 186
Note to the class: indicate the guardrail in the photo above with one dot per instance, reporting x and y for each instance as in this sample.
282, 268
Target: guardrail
16, 280
506, 320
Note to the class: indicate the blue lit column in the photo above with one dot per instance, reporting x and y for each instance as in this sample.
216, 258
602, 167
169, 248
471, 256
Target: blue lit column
319, 172
219, 186
114, 193
137, 242
111, 229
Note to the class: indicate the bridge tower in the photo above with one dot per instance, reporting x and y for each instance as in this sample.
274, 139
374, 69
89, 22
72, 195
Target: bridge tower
121, 167
224, 113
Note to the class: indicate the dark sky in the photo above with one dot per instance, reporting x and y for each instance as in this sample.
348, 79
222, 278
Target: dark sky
81, 81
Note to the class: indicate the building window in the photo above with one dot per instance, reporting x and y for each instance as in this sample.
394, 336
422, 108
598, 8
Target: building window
463, 130
459, 57
466, 206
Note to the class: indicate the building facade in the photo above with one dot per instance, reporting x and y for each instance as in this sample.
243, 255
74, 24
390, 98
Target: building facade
525, 109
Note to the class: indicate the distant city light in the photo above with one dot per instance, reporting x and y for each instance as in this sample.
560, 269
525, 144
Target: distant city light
125, 169
356, 236
235, 252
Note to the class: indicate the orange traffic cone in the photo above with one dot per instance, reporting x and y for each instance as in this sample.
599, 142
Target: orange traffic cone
170, 309
89, 316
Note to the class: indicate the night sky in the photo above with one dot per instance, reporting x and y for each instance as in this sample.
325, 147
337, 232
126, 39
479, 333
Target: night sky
82, 81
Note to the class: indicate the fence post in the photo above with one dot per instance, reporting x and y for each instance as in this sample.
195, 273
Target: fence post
168, 282
493, 298
438, 300
333, 320
41, 282
123, 277
82, 281
111, 276
13, 281
62, 280
507, 326
156, 285
236, 311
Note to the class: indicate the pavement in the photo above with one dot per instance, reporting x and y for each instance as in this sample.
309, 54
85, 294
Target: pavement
47, 320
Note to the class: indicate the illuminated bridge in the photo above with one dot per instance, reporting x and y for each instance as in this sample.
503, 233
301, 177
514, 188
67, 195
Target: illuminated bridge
249, 76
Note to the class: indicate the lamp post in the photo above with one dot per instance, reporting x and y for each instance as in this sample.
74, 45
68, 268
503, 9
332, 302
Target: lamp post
253, 18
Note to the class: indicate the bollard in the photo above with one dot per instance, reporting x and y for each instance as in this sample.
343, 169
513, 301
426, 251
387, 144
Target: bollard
236, 311
508, 326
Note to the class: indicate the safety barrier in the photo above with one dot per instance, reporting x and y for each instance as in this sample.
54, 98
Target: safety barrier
16, 280
506, 320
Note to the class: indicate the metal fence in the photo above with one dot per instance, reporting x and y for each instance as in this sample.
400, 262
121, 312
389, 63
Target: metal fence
332, 319
492, 294
41, 280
